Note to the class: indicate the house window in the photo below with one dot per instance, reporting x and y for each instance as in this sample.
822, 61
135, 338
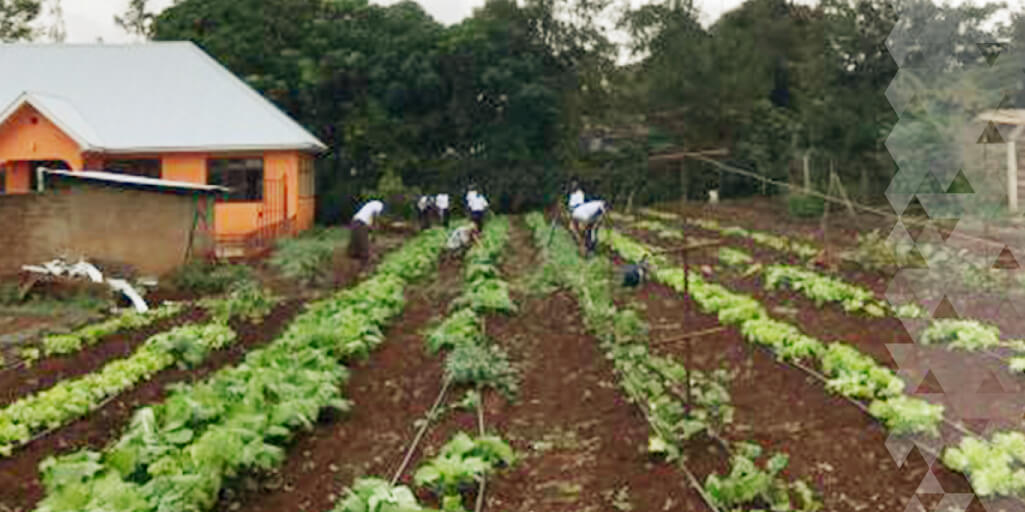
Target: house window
244, 176
3, 179
307, 178
145, 167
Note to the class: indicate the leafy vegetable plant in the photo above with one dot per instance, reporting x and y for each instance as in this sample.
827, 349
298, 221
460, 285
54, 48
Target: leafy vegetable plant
62, 344
462, 462
750, 487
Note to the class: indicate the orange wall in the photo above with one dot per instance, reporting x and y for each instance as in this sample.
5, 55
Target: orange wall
28, 135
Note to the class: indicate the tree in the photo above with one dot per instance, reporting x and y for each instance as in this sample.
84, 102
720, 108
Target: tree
136, 20
57, 31
16, 17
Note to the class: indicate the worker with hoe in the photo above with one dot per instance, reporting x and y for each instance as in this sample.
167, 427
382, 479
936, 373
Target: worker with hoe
477, 204
590, 215
359, 240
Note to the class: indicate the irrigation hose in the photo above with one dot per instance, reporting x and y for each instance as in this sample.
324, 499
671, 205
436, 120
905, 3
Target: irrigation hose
480, 423
420, 433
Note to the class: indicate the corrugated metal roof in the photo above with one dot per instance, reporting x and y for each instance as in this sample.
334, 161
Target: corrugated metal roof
150, 97
128, 179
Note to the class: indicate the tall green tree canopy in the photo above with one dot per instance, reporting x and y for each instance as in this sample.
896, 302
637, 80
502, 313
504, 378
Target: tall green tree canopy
16, 17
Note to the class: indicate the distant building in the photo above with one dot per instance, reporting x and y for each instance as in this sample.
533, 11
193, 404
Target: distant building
157, 110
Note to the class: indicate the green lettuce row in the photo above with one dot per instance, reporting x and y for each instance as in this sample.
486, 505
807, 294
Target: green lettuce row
72, 399
63, 344
994, 468
650, 381
850, 373
822, 289
176, 456
965, 334
776, 242
656, 382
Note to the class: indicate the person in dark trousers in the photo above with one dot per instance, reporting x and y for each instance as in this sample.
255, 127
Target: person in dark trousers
478, 206
441, 206
359, 240
590, 215
423, 207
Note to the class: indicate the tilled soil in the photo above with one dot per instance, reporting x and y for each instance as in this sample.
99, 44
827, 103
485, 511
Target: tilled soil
581, 445
834, 446
20, 486
17, 382
390, 391
956, 378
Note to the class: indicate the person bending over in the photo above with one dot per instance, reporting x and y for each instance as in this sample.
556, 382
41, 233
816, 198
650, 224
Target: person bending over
359, 241
590, 215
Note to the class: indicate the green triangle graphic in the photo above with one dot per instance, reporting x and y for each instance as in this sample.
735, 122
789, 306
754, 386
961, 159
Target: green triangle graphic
960, 185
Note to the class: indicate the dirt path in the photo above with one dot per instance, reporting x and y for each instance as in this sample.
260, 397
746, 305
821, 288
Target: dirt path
834, 446
391, 390
582, 445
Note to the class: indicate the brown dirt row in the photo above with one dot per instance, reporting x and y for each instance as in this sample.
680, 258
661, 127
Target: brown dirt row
20, 486
870, 336
581, 445
925, 371
390, 391
835, 447
16, 383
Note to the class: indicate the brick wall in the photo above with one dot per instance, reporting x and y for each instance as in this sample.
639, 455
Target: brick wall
147, 230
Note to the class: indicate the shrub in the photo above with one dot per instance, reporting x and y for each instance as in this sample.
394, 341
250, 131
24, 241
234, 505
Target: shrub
805, 206
309, 257
207, 277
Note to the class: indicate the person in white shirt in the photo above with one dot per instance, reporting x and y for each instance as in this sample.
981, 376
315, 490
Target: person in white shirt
590, 215
478, 205
423, 206
359, 240
576, 198
441, 204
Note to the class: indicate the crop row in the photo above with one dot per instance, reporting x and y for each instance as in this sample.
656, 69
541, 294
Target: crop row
177, 455
655, 384
994, 468
963, 334
186, 346
780, 243
463, 461
851, 373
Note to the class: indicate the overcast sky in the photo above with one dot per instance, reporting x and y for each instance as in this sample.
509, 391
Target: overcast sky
88, 20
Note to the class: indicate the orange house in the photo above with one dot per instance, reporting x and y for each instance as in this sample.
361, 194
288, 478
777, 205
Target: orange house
160, 110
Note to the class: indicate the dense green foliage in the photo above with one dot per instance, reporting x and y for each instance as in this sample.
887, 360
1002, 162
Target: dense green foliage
520, 95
